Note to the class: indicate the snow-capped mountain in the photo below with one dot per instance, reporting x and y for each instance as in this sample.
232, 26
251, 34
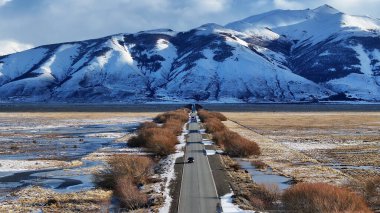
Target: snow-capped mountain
279, 56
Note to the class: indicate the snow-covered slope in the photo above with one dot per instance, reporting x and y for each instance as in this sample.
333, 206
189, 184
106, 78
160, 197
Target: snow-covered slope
279, 56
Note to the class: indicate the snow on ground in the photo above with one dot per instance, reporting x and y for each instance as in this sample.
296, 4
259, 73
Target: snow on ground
228, 206
106, 135
23, 165
309, 146
210, 152
207, 142
169, 170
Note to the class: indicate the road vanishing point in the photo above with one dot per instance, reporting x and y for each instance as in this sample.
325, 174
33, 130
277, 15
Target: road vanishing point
198, 192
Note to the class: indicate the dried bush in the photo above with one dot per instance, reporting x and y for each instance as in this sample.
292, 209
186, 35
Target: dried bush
259, 164
372, 191
214, 125
205, 115
235, 145
219, 137
135, 168
147, 125
179, 114
264, 196
161, 140
162, 143
130, 197
174, 125
322, 197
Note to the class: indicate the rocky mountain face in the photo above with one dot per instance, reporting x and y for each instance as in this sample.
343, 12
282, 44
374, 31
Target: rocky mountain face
279, 56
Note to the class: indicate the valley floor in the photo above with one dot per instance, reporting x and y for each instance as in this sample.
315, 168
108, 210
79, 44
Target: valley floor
57, 150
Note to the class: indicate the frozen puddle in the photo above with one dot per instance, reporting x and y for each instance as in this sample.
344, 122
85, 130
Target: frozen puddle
267, 177
69, 143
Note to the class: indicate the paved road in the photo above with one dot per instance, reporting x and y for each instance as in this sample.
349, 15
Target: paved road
198, 192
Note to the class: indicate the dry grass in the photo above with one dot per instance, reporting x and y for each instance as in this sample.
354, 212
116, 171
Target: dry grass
232, 143
304, 145
180, 115
129, 194
35, 199
137, 169
160, 141
235, 145
205, 115
321, 197
174, 125
214, 125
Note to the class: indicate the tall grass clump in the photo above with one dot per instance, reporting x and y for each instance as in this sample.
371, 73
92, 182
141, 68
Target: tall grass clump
161, 140
213, 125
122, 174
129, 195
204, 115
232, 143
236, 145
179, 114
136, 168
158, 140
322, 197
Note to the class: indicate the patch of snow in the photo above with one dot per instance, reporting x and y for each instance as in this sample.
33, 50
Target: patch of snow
210, 152
325, 53
24, 165
169, 174
106, 135
365, 61
207, 142
360, 22
309, 146
228, 206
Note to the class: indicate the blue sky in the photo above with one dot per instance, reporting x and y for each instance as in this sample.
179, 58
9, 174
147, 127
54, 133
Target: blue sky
26, 23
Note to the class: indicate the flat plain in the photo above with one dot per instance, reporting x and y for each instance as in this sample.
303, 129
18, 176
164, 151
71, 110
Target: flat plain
344, 145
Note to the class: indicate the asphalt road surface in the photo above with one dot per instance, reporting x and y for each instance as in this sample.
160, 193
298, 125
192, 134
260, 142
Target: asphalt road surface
198, 191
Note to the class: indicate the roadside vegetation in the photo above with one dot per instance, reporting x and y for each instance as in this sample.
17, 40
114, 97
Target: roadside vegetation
322, 197
125, 174
232, 143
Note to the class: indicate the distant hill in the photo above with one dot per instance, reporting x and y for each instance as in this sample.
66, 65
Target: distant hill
278, 56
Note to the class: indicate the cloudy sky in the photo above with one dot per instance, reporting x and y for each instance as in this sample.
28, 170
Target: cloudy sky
27, 23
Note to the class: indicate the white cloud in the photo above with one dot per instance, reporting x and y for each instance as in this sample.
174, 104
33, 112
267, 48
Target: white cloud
52, 21
11, 46
3, 2
288, 4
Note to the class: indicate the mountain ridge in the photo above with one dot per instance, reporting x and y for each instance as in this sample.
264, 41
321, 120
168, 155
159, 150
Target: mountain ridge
237, 62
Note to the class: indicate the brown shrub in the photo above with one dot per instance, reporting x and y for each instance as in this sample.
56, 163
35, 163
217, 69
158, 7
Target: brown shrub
130, 197
321, 197
205, 115
235, 166
237, 146
264, 196
219, 116
372, 191
136, 168
219, 137
179, 114
214, 125
162, 143
259, 164
257, 203
173, 125
147, 125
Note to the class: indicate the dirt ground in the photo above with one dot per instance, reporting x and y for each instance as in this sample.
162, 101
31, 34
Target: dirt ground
329, 147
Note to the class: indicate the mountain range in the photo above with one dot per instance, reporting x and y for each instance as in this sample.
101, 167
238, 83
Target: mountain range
282, 56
